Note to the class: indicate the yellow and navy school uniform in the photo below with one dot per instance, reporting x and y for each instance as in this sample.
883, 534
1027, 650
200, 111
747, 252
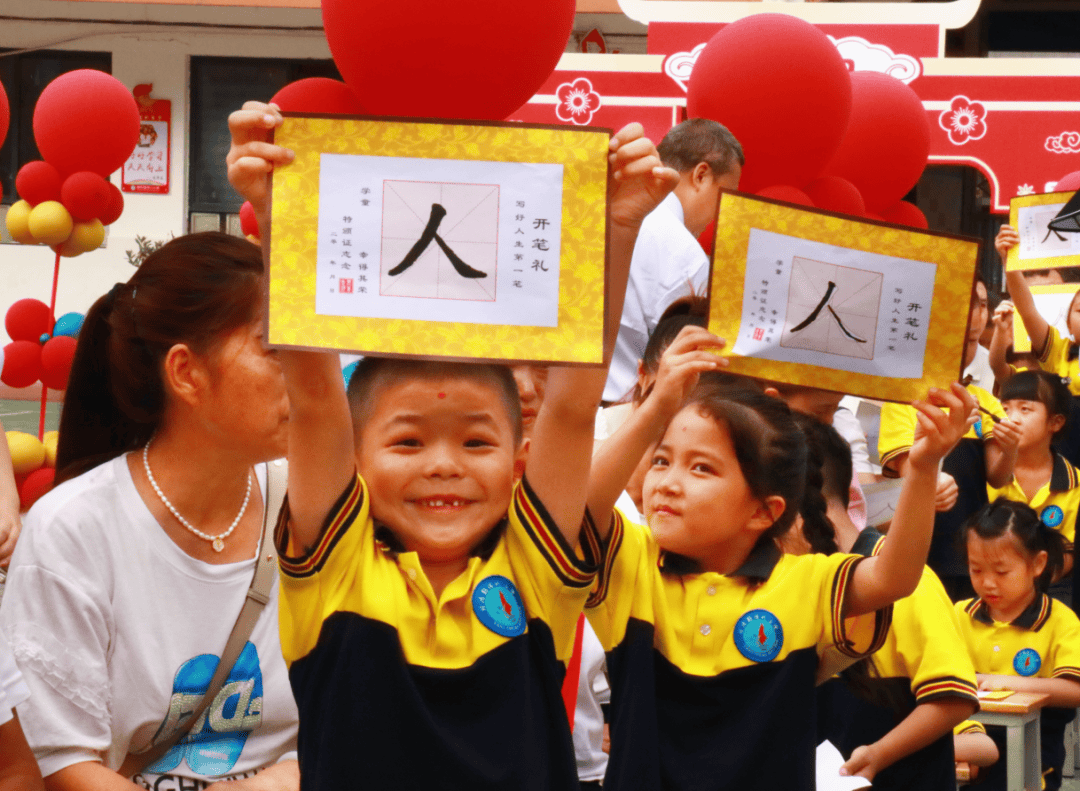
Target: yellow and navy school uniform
1042, 642
966, 463
923, 659
1059, 356
400, 688
707, 669
1056, 503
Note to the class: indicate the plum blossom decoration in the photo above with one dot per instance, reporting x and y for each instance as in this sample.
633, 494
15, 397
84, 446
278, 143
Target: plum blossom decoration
577, 102
965, 120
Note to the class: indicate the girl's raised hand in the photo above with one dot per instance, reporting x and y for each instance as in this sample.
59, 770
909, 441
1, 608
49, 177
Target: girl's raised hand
252, 156
639, 180
937, 432
1006, 239
1003, 317
688, 356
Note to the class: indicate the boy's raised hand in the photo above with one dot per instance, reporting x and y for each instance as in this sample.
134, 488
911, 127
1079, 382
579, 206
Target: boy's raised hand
1006, 239
252, 156
688, 356
639, 180
937, 432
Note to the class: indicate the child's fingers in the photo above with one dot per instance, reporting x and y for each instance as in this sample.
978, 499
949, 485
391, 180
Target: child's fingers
254, 123
693, 337
631, 131
261, 150
645, 166
631, 150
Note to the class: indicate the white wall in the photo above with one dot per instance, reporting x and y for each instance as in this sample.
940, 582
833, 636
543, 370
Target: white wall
141, 53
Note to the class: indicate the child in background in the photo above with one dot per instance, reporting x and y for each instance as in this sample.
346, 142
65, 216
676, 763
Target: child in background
18, 768
1055, 354
1019, 638
985, 455
713, 637
892, 714
974, 750
429, 604
1038, 402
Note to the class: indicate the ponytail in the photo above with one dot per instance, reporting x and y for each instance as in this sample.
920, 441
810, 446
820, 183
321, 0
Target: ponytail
817, 527
195, 290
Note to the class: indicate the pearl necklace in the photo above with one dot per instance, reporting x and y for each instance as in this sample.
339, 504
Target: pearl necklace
217, 542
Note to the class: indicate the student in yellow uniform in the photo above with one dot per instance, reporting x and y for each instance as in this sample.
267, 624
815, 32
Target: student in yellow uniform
1038, 402
1019, 638
1055, 353
892, 714
713, 635
984, 456
429, 603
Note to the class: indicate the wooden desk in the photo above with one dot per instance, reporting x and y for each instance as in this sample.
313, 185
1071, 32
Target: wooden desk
1019, 714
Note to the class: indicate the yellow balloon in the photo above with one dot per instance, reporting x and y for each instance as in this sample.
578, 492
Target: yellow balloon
18, 223
50, 222
49, 441
85, 236
27, 453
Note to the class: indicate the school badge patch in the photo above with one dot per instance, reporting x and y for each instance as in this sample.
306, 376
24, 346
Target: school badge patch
1052, 516
759, 636
1027, 662
497, 604
977, 428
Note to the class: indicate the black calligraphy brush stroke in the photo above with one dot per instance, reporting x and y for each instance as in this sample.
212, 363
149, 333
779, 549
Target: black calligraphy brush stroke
844, 329
462, 268
437, 215
810, 319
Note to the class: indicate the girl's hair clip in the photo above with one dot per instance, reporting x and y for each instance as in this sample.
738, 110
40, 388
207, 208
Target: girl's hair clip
1066, 380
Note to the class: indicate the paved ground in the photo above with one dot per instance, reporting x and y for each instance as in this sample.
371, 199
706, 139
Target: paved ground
23, 416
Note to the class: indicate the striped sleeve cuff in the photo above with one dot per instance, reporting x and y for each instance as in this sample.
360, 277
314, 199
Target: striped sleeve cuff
888, 457
1066, 671
545, 535
341, 517
882, 617
609, 550
969, 726
946, 687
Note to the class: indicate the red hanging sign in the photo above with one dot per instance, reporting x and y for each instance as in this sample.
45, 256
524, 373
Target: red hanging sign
147, 169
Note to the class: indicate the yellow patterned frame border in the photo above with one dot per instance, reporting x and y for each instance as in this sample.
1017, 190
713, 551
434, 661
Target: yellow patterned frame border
1021, 341
1012, 261
579, 336
956, 258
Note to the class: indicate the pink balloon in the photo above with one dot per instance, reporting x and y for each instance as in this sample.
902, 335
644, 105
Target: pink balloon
786, 193
1069, 182
887, 142
86, 120
904, 213
836, 194
5, 114
318, 95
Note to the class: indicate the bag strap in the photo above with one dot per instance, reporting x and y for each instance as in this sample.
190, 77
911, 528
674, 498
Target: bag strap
258, 595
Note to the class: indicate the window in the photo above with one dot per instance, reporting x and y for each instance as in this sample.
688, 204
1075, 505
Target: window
218, 87
25, 77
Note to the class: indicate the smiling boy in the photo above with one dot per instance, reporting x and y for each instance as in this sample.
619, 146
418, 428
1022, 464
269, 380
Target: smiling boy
429, 603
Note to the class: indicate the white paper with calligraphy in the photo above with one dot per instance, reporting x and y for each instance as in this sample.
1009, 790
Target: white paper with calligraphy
1037, 240
439, 240
819, 304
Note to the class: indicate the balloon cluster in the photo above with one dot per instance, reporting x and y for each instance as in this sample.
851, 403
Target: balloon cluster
86, 124
813, 132
38, 350
34, 463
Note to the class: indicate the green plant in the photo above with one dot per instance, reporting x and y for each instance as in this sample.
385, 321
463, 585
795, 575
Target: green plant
146, 247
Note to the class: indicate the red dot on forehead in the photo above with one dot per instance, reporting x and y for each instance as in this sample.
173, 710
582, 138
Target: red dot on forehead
442, 395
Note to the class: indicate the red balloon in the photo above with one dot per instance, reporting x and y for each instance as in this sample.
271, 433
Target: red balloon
86, 120
904, 213
249, 224
22, 364
86, 195
37, 182
836, 194
1069, 182
887, 142
56, 356
318, 95
5, 114
37, 484
27, 320
788, 110
465, 59
787, 193
114, 208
